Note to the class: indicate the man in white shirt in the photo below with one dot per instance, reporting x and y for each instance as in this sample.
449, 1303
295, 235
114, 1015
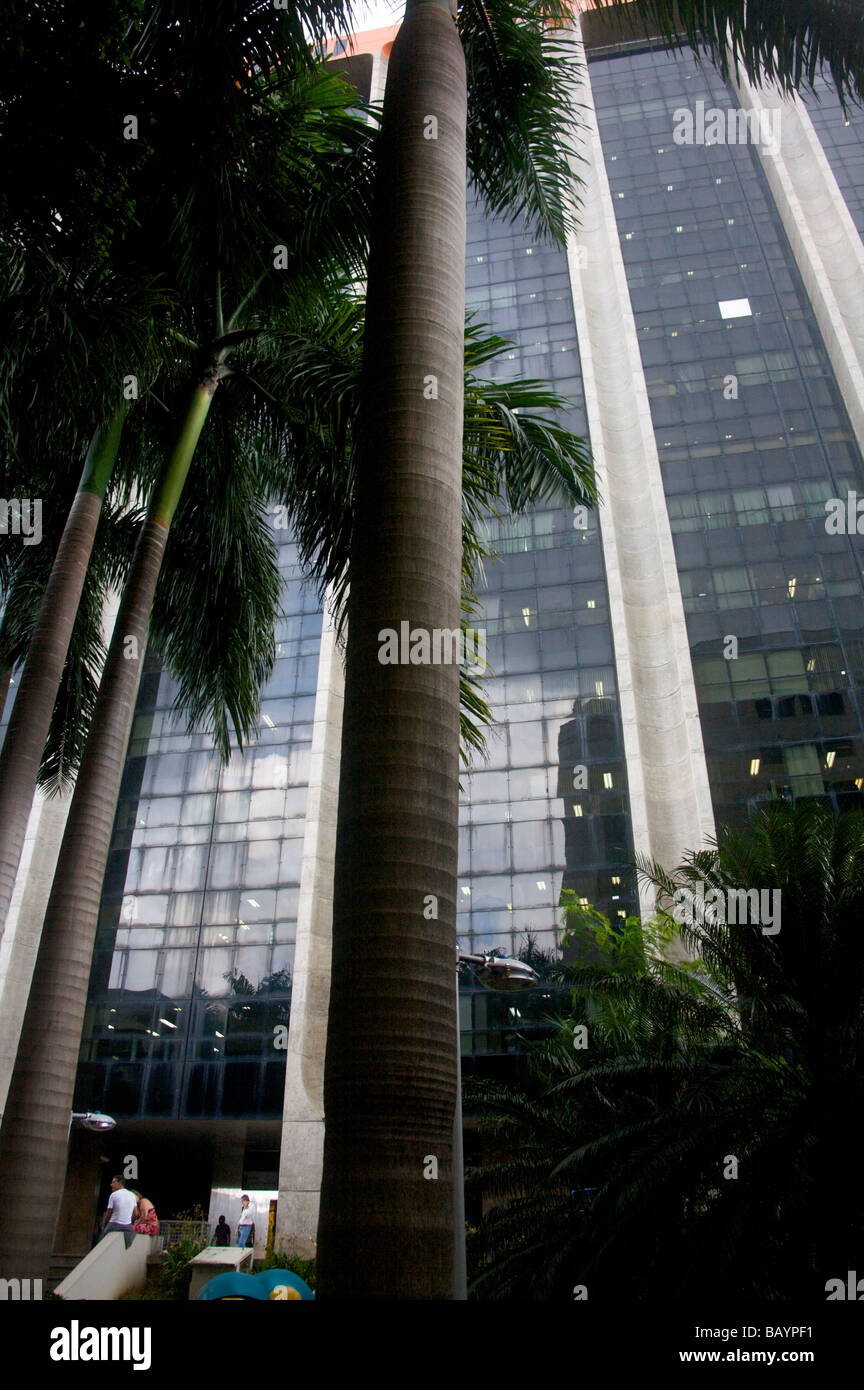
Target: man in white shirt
121, 1205
246, 1224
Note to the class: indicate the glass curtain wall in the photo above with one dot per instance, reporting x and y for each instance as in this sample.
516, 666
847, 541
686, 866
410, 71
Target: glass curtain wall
753, 439
548, 810
194, 954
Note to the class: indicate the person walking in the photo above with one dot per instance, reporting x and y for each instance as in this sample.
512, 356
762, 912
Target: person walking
118, 1216
246, 1224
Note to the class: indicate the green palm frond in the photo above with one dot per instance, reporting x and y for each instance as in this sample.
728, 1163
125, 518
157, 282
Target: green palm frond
752, 1052
217, 601
236, 37
790, 42
521, 124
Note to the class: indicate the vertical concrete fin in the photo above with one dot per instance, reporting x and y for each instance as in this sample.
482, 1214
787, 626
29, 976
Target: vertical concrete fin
303, 1112
670, 798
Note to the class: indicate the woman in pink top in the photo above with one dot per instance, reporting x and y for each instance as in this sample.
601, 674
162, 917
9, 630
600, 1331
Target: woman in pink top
144, 1219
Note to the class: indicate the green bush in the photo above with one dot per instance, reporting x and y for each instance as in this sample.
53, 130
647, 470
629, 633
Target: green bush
171, 1284
176, 1267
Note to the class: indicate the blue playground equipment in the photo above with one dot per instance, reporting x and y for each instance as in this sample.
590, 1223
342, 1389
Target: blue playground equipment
271, 1284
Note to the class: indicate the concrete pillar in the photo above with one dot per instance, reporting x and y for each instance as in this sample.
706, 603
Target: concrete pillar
821, 232
20, 943
302, 1145
78, 1210
670, 798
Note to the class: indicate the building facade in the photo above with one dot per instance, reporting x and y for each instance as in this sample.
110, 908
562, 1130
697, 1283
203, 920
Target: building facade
659, 669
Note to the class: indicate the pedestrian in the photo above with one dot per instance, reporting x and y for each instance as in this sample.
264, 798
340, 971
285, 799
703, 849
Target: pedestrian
246, 1224
121, 1205
144, 1218
222, 1234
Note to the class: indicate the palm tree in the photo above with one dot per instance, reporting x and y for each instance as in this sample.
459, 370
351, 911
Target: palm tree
703, 1138
386, 1226
265, 445
284, 168
57, 386
159, 66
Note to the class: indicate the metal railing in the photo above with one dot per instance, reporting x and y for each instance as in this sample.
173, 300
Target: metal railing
172, 1232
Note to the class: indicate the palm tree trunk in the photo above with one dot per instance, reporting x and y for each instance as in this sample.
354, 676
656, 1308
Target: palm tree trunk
43, 668
386, 1227
33, 1138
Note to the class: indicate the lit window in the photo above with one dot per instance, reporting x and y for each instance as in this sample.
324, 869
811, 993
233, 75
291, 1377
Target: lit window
829, 758
734, 308
754, 766
607, 780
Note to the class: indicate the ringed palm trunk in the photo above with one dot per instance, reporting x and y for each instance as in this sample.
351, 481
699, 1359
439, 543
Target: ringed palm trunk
33, 1137
386, 1225
42, 672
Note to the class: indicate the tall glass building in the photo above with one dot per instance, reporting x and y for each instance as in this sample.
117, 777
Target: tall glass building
694, 649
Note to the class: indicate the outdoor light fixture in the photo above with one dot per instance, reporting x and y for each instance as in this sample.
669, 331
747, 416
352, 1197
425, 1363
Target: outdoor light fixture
91, 1119
500, 972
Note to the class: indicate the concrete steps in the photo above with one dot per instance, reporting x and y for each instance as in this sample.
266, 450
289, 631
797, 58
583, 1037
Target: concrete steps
61, 1265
